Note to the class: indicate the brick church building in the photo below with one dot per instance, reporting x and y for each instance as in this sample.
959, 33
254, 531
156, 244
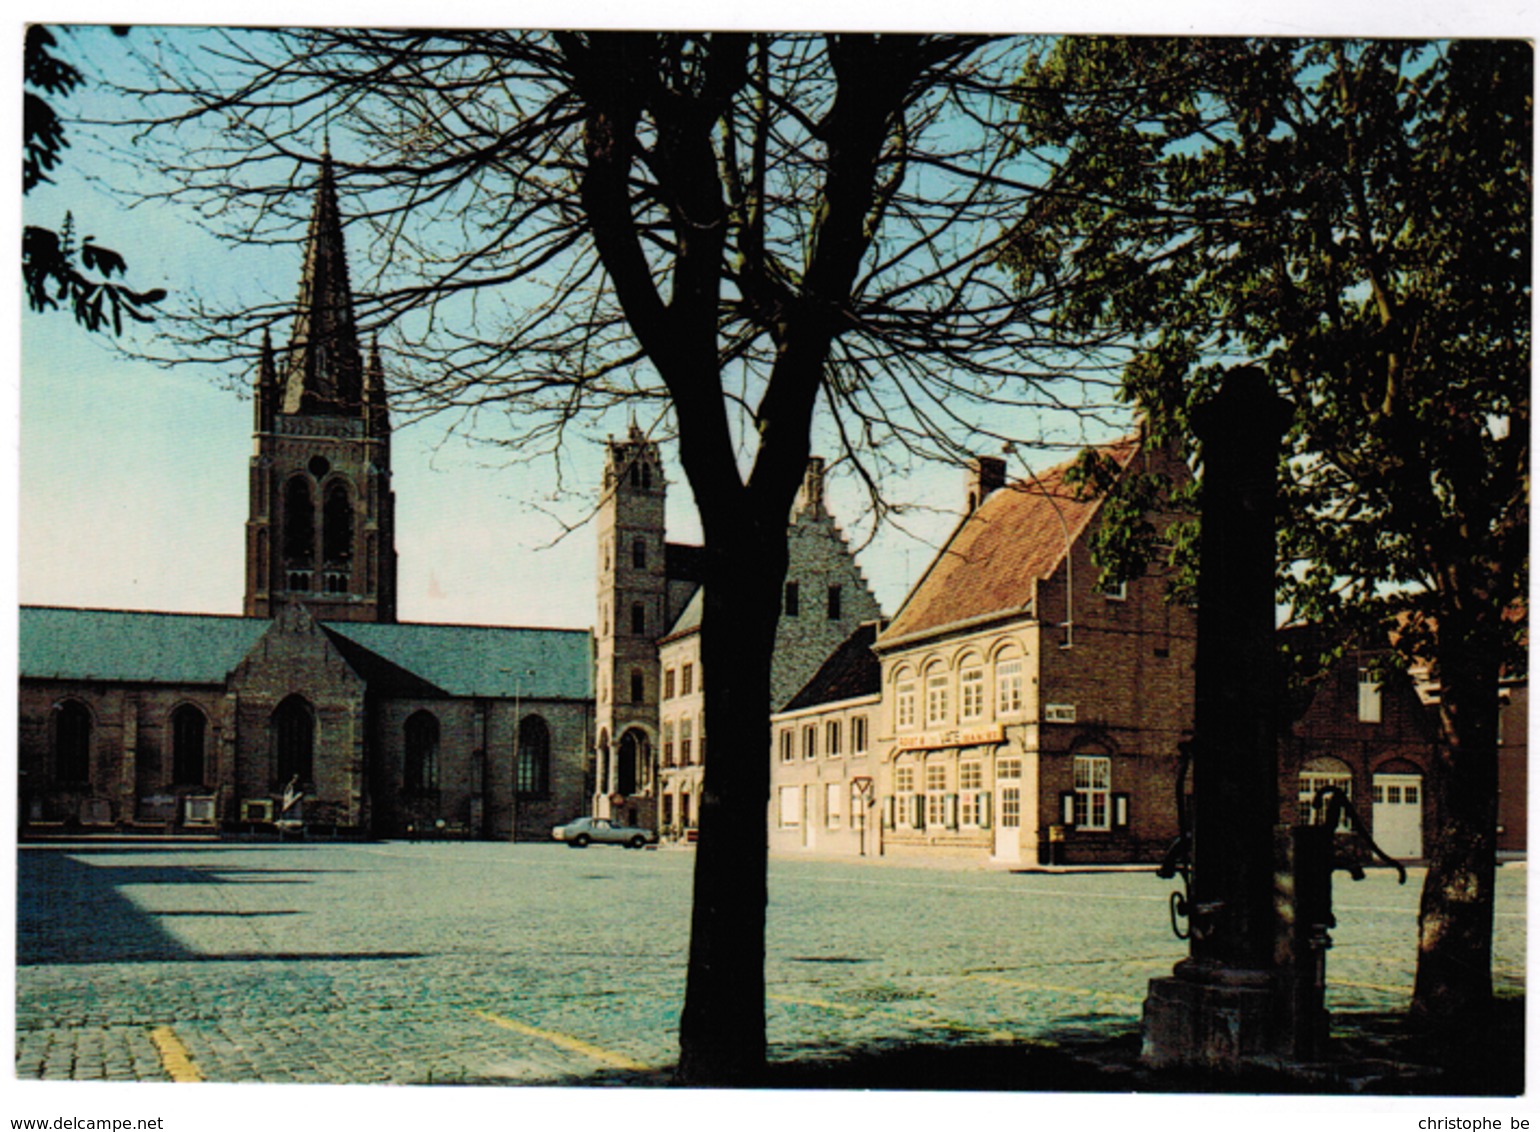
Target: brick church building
316, 710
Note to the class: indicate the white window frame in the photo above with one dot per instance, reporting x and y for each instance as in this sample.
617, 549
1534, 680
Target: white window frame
858, 735
970, 785
834, 804
938, 706
788, 745
936, 795
970, 692
832, 734
1093, 792
1008, 687
904, 704
791, 807
1312, 780
1010, 807
810, 740
903, 793
1371, 706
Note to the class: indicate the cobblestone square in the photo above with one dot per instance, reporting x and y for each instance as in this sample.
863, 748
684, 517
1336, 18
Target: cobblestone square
533, 964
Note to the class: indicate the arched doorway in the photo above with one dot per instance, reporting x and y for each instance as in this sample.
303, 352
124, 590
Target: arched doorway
631, 762
1317, 774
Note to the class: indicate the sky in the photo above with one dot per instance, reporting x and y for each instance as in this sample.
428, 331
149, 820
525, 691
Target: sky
133, 476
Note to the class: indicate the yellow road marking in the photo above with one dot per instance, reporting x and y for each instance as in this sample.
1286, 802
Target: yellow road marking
173, 1055
838, 1007
565, 1041
1023, 985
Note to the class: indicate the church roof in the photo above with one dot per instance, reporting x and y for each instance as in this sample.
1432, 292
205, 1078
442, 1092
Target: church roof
484, 660
852, 670
1000, 550
116, 644
401, 659
688, 620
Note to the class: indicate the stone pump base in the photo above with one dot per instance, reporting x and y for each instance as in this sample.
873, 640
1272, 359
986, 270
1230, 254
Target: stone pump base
1211, 1017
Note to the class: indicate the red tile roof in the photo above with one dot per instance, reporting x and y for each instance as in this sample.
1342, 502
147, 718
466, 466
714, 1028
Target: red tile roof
998, 551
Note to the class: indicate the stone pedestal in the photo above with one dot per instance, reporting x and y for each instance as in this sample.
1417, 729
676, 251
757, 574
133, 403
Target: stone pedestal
1209, 1017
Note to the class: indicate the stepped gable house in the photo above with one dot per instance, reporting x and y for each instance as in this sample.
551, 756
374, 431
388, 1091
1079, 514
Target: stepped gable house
650, 709
317, 708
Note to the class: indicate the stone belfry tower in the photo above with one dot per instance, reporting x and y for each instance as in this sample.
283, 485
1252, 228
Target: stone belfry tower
321, 527
633, 613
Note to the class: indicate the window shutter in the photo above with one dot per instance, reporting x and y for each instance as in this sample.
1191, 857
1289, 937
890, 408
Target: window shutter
1067, 807
887, 811
950, 808
1120, 810
918, 817
986, 809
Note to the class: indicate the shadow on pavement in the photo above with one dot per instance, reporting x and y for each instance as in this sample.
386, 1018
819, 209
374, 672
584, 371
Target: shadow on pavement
1373, 1054
70, 910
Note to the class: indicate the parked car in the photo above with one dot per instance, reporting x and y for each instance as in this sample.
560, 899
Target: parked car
579, 832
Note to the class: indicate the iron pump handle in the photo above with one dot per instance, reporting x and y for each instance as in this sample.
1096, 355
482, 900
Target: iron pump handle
1337, 803
1178, 858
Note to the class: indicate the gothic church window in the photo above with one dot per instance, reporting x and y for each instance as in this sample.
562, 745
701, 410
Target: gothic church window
293, 731
337, 525
532, 775
420, 759
298, 532
72, 743
188, 727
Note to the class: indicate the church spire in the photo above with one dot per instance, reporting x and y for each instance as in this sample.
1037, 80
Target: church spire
324, 368
267, 385
376, 406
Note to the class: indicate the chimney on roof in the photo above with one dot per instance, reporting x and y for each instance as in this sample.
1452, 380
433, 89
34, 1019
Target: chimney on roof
810, 496
985, 474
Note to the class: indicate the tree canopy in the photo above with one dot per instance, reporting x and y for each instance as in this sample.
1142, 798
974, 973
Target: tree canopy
59, 269
1355, 217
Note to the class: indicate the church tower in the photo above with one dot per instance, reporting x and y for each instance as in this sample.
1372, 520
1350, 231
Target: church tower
633, 613
321, 526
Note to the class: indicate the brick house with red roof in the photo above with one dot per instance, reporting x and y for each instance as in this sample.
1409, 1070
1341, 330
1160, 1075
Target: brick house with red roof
1022, 713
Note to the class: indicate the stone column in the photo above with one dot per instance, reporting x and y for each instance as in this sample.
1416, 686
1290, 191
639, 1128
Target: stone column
1219, 1006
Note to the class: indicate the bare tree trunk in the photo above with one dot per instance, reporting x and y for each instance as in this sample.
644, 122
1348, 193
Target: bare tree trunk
722, 1027
1454, 963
